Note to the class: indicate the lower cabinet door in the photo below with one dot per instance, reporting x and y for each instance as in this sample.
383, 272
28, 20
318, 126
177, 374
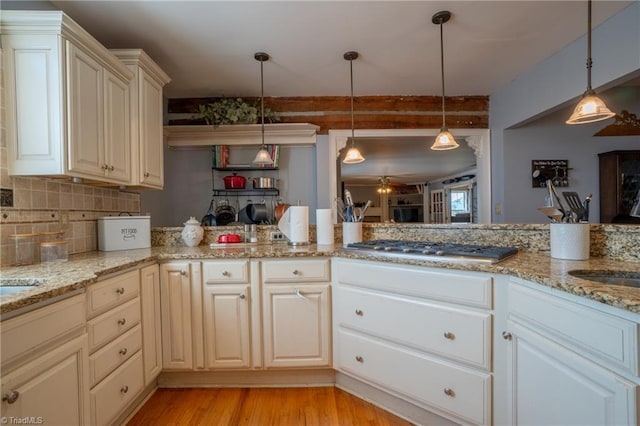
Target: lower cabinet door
226, 326
455, 392
52, 389
114, 393
555, 386
297, 323
150, 318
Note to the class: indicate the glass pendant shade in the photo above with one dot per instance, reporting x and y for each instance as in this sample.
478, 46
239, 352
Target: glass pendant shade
263, 157
590, 109
353, 156
444, 141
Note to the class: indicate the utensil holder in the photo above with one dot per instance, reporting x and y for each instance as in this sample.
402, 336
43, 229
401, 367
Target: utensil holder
351, 232
569, 241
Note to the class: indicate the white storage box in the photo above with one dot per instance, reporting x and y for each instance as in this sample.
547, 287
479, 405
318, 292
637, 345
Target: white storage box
124, 232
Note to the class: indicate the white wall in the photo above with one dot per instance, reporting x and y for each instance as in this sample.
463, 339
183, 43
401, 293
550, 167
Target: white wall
556, 85
549, 138
188, 184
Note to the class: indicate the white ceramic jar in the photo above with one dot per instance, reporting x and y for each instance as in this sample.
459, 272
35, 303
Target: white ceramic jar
192, 233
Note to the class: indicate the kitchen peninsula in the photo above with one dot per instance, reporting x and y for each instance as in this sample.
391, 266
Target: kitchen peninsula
256, 275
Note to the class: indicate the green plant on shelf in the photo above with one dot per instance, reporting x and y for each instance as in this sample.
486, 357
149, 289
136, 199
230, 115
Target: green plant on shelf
235, 111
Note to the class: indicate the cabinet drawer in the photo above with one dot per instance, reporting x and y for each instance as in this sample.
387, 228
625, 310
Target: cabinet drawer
455, 391
111, 324
40, 327
465, 288
226, 272
287, 271
611, 339
458, 334
113, 394
109, 293
107, 359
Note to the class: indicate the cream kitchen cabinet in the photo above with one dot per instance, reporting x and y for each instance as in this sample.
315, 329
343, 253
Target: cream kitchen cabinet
227, 312
116, 373
146, 117
151, 326
180, 297
60, 78
577, 361
45, 365
296, 313
424, 335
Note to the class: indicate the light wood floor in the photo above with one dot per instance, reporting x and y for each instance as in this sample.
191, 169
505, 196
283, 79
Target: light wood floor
260, 406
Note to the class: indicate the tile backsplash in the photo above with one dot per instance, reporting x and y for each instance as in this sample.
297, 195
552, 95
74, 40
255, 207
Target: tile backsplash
41, 204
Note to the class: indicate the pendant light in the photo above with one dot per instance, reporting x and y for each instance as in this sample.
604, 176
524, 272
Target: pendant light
590, 108
444, 139
353, 155
262, 157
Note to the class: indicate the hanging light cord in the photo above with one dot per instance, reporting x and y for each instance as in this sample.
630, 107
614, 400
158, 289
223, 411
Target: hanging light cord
353, 137
262, 98
442, 72
589, 61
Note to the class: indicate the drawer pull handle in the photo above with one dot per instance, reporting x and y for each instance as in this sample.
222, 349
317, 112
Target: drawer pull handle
449, 392
120, 290
300, 295
242, 296
11, 397
359, 312
183, 273
359, 359
123, 351
296, 272
506, 335
122, 321
449, 335
124, 389
226, 274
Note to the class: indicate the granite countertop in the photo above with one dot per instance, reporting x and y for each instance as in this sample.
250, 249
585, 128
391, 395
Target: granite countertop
67, 278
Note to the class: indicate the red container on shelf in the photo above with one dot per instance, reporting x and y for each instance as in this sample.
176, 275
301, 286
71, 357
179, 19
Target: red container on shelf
234, 181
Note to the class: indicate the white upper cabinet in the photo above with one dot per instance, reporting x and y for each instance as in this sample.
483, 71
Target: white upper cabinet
146, 117
67, 100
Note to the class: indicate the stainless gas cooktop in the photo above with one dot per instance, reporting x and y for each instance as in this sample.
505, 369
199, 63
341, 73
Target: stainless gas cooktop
446, 252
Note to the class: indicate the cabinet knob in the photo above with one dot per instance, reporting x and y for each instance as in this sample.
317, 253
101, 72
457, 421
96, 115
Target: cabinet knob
104, 167
123, 351
120, 290
506, 335
124, 389
146, 174
111, 168
226, 274
449, 335
359, 359
122, 321
242, 296
359, 312
183, 273
11, 397
449, 392
296, 272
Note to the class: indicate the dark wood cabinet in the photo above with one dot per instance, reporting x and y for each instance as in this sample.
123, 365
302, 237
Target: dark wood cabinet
619, 185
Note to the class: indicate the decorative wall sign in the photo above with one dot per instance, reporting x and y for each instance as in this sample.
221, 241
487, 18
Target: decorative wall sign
556, 170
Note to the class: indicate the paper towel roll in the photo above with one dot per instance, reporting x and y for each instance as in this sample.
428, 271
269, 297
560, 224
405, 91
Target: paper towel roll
324, 226
570, 241
298, 224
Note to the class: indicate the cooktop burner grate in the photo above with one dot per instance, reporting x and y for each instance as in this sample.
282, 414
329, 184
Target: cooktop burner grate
434, 251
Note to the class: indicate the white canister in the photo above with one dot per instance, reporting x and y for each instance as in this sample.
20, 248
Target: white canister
570, 241
351, 232
324, 226
192, 233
